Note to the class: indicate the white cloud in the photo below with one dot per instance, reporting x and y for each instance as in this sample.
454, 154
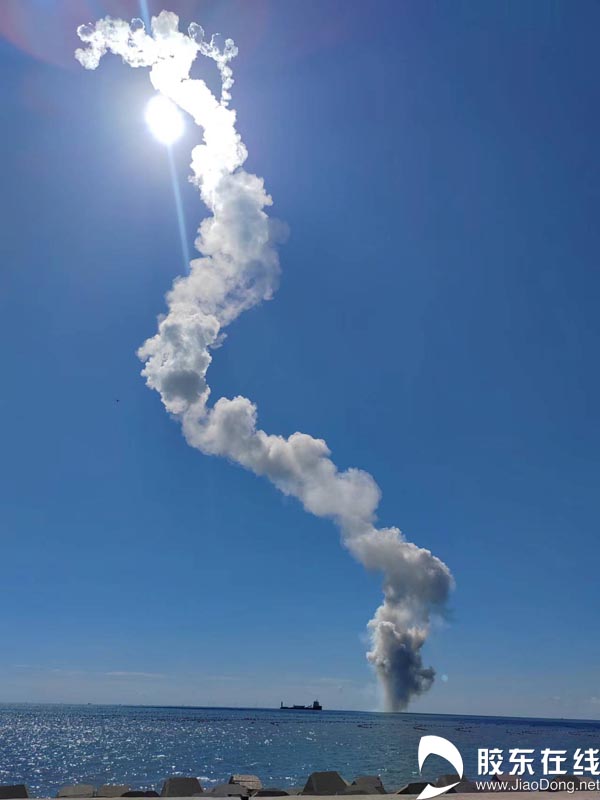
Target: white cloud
238, 268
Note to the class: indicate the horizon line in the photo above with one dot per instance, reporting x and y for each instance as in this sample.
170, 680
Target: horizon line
277, 708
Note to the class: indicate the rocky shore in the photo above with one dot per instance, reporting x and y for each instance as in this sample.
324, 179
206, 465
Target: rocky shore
318, 785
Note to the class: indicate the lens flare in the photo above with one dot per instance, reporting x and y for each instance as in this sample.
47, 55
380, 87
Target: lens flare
164, 119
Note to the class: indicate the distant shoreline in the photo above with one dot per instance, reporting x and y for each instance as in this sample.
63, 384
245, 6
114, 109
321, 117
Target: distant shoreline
428, 714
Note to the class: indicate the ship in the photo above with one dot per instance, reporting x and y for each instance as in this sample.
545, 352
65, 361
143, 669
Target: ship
316, 706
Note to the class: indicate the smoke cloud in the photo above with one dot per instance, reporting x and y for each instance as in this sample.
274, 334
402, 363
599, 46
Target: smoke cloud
238, 268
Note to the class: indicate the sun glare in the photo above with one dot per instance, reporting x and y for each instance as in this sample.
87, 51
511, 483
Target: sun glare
164, 119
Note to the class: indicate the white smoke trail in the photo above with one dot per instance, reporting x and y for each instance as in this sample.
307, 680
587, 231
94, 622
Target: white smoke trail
239, 267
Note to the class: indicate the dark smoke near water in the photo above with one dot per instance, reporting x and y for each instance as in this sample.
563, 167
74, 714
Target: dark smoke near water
237, 268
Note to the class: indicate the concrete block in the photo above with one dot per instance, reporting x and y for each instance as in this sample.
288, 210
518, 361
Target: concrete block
465, 786
181, 787
416, 787
112, 790
251, 782
14, 792
77, 790
371, 784
325, 783
230, 790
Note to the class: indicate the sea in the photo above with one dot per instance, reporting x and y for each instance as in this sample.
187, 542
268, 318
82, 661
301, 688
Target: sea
49, 746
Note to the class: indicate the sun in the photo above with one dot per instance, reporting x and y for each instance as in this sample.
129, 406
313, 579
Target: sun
164, 119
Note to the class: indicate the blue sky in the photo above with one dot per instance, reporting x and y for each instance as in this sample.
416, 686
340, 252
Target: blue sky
436, 323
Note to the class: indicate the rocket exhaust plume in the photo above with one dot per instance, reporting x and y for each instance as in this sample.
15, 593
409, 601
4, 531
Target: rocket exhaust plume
238, 267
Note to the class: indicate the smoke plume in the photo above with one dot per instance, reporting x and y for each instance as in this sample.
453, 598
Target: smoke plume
238, 267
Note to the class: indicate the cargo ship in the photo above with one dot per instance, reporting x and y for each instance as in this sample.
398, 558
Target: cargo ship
316, 706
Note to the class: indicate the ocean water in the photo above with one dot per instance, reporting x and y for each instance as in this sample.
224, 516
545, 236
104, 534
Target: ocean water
48, 746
